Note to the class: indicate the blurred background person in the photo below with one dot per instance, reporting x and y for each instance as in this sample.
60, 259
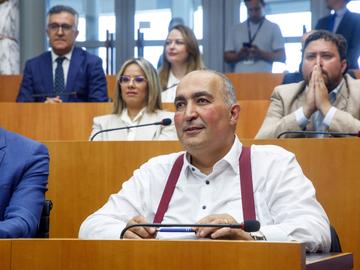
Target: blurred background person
181, 56
137, 101
345, 23
9, 36
173, 22
66, 73
256, 43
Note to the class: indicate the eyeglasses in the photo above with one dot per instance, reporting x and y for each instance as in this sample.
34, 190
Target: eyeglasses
54, 27
127, 79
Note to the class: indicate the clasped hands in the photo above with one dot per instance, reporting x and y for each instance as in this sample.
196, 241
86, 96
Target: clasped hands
56, 99
200, 232
317, 97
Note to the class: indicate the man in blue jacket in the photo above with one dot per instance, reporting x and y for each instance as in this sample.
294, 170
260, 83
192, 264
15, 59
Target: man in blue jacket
345, 23
66, 73
24, 170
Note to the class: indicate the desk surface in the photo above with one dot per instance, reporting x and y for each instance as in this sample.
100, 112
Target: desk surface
59, 254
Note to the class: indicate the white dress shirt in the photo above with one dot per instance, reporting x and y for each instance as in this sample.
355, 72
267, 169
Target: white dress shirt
169, 94
284, 198
150, 132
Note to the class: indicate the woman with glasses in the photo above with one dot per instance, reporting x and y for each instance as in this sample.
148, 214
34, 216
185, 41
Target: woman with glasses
137, 102
181, 56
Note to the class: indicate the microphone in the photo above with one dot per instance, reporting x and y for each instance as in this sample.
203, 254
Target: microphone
328, 133
163, 122
171, 86
247, 226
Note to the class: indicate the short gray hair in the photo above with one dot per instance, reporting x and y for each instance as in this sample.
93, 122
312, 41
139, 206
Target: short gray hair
228, 88
61, 8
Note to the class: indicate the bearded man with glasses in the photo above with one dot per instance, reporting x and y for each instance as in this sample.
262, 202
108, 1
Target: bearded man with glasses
66, 73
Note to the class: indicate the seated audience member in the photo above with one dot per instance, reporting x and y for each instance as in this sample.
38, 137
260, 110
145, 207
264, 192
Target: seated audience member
327, 100
181, 55
208, 189
24, 170
173, 22
66, 73
137, 102
253, 46
295, 77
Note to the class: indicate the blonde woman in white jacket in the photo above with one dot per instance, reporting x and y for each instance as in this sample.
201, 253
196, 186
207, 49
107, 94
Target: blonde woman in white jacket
137, 101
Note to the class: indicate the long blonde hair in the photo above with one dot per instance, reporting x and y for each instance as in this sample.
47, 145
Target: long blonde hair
194, 61
153, 98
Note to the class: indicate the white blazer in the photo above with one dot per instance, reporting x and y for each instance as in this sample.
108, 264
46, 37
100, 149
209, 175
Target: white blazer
154, 132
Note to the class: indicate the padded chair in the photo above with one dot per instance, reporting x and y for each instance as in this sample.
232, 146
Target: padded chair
44, 225
335, 241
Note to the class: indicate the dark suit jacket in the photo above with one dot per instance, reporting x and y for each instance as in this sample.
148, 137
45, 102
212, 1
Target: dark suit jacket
85, 81
24, 169
349, 28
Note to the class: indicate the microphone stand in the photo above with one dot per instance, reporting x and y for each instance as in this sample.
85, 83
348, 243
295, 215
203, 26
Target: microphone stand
333, 134
164, 122
253, 226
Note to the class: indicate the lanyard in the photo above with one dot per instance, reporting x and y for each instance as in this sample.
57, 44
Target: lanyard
251, 39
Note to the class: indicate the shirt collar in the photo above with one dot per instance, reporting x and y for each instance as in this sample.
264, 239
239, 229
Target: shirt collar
231, 158
67, 56
125, 116
337, 88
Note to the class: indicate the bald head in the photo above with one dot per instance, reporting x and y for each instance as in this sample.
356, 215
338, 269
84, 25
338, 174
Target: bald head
222, 83
206, 114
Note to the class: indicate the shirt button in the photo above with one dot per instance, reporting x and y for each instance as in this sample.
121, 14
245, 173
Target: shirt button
204, 207
207, 182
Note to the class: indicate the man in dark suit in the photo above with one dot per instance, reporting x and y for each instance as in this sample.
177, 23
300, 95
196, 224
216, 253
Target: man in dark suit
66, 73
24, 170
345, 23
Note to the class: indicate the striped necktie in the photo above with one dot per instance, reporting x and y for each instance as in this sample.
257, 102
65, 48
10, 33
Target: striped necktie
59, 85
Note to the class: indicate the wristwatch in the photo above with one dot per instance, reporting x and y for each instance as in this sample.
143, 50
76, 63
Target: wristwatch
258, 236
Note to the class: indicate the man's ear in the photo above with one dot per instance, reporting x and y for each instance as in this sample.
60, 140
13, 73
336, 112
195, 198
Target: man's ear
234, 113
343, 66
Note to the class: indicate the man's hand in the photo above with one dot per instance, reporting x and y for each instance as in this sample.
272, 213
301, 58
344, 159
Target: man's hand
139, 232
220, 233
310, 107
256, 53
56, 99
317, 97
322, 101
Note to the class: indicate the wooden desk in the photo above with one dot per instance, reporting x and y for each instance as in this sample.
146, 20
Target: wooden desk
73, 121
248, 85
34, 254
10, 85
39, 121
84, 174
5, 254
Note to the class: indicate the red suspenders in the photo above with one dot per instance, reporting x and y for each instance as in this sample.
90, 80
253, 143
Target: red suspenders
247, 195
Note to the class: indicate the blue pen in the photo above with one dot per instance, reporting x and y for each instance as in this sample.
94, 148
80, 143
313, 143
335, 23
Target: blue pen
168, 229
